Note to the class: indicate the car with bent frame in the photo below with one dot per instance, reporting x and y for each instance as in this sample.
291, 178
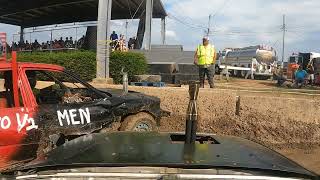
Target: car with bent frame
43, 106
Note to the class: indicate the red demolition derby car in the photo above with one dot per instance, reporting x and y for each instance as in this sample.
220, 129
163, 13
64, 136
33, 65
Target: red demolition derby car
43, 106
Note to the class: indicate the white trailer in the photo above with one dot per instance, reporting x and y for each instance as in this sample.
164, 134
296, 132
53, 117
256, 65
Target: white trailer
242, 62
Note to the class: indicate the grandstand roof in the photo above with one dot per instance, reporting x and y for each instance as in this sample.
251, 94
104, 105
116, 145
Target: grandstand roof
32, 13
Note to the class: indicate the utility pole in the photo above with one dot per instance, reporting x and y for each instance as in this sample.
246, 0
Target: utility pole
283, 37
209, 25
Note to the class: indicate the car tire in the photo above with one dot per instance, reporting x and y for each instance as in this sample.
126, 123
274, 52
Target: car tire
217, 70
141, 122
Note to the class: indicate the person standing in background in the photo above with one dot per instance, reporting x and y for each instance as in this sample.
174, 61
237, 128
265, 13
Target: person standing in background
205, 58
114, 36
300, 77
311, 71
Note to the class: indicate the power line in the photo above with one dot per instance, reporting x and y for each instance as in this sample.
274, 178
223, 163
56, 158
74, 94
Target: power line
301, 28
249, 32
184, 21
221, 8
191, 25
283, 37
137, 10
241, 28
212, 16
245, 32
298, 35
129, 8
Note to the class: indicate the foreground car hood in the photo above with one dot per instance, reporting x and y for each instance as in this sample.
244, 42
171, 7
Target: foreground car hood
166, 150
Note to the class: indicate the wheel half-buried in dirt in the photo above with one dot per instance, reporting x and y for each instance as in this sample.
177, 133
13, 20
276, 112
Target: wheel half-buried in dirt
139, 122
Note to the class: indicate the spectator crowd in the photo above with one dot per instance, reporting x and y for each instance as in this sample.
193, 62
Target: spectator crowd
68, 43
119, 44
301, 76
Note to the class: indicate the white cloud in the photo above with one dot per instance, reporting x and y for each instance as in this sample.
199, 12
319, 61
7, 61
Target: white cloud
250, 21
171, 34
10, 30
237, 23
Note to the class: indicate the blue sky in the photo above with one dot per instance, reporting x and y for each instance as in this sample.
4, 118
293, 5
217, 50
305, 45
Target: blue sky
237, 23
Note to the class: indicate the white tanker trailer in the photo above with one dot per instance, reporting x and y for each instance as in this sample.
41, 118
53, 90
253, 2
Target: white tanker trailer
254, 60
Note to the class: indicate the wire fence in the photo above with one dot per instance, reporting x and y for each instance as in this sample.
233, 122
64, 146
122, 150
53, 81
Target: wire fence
66, 38
51, 38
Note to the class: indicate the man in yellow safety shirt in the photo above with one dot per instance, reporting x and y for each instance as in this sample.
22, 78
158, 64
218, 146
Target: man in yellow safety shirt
205, 58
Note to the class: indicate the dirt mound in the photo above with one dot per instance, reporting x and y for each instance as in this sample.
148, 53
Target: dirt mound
276, 122
266, 130
283, 121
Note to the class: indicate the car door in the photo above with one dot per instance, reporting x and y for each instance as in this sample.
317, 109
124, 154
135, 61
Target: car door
56, 114
17, 126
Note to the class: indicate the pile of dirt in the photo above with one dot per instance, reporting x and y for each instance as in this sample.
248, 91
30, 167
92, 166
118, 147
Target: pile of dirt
270, 132
284, 121
275, 122
266, 130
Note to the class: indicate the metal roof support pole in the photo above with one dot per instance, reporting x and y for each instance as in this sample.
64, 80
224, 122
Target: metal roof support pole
149, 12
21, 34
163, 30
51, 40
103, 47
140, 32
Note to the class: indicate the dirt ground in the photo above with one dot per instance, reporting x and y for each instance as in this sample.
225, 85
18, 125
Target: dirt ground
308, 159
291, 142
286, 120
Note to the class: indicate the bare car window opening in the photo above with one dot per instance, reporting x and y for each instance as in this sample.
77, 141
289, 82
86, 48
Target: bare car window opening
51, 87
6, 90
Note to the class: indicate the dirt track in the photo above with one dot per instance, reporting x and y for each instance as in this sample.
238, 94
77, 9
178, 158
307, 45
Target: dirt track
285, 120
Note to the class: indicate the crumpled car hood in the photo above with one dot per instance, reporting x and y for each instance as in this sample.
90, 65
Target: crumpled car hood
161, 149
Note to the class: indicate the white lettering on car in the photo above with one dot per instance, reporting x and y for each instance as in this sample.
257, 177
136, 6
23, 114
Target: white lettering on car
70, 116
62, 116
22, 123
26, 122
32, 124
84, 115
5, 122
73, 114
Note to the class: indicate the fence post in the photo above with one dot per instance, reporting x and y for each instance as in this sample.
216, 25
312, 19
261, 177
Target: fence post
252, 77
76, 40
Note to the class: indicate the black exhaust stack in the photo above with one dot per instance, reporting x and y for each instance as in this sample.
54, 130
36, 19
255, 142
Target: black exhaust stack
192, 113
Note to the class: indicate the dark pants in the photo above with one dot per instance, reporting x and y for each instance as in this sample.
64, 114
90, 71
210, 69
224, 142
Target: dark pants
299, 81
280, 80
206, 71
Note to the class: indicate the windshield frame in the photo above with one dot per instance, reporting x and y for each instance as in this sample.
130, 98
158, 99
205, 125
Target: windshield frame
86, 85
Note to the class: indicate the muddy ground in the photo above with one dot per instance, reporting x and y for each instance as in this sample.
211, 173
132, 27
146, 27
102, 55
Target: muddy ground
285, 120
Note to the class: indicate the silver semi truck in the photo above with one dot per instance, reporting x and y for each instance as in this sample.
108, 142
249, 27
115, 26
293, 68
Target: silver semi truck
255, 60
